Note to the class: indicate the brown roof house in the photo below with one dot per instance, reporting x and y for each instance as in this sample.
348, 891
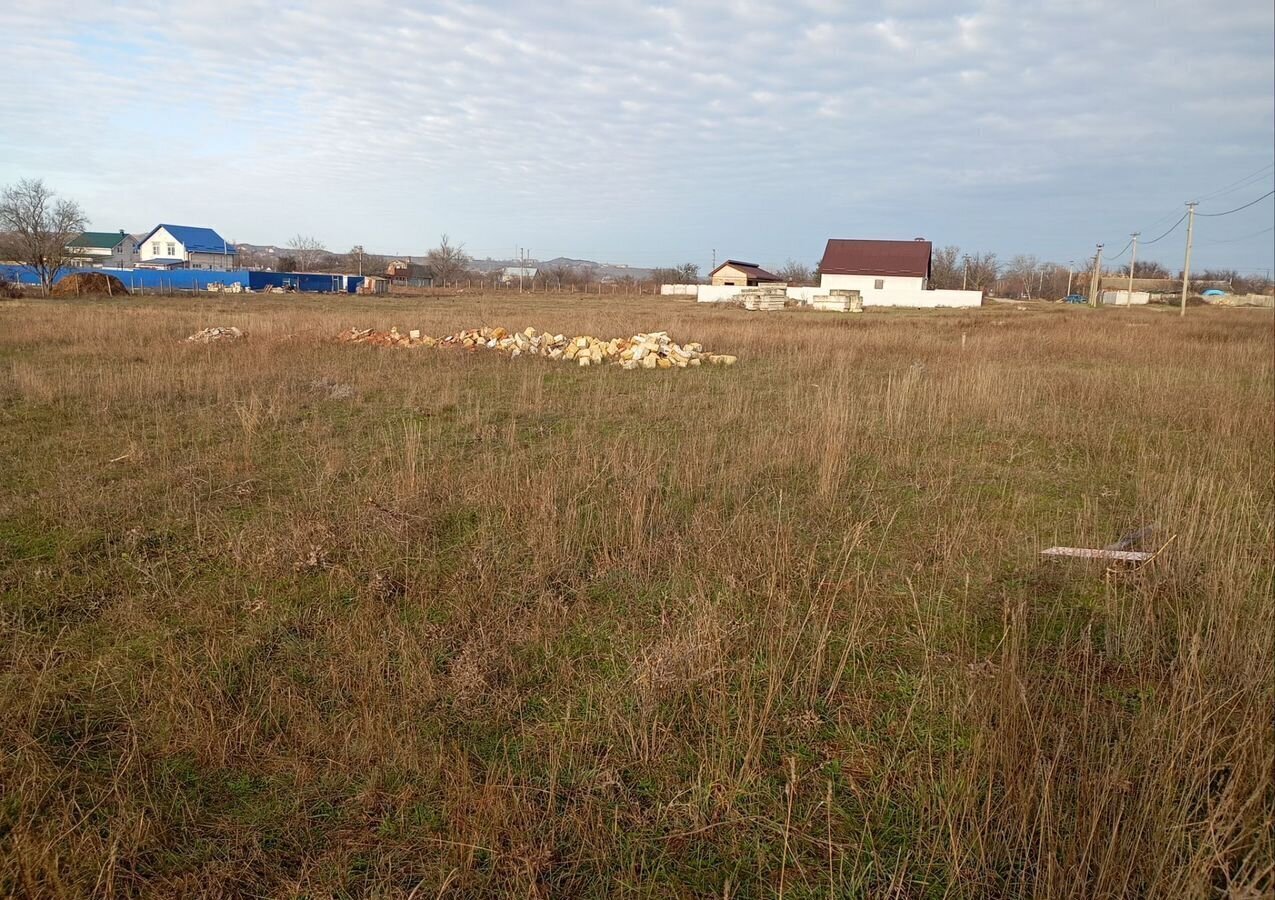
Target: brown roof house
406, 273
887, 273
742, 274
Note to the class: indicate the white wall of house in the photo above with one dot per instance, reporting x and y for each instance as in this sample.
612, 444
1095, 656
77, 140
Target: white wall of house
92, 256
213, 260
161, 245
867, 284
899, 290
909, 297
923, 299
122, 256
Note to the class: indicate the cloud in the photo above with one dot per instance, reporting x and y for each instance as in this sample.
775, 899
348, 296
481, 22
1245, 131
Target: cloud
635, 131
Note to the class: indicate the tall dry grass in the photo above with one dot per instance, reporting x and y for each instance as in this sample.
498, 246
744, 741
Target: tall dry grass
295, 618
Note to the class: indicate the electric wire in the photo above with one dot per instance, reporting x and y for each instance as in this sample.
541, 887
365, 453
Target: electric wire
1243, 238
1121, 253
1238, 208
1243, 182
1172, 229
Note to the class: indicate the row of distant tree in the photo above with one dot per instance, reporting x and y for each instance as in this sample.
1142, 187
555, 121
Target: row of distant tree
1027, 276
36, 226
1021, 276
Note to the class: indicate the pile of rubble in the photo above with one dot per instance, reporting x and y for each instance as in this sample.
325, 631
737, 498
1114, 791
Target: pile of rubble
655, 350
217, 333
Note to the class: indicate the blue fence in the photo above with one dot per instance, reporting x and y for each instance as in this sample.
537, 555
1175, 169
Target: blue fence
156, 281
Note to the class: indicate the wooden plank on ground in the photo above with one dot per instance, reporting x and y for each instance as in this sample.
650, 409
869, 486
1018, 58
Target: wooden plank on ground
1086, 553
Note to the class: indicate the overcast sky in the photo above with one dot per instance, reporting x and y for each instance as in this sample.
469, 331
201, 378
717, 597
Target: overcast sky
628, 132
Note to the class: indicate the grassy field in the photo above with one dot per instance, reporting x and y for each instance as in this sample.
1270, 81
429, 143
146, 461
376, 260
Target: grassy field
295, 618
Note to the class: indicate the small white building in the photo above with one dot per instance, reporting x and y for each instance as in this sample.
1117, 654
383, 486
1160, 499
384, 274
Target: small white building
513, 273
110, 249
887, 273
185, 247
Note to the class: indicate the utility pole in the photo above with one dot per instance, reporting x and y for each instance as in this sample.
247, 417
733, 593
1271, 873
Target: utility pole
1096, 279
1186, 266
714, 258
1132, 259
1071, 268
965, 271
520, 268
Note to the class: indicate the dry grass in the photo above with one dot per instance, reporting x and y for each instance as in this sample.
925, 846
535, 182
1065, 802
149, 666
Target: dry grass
292, 618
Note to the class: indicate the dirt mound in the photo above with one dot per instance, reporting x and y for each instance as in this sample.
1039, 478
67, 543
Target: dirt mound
89, 283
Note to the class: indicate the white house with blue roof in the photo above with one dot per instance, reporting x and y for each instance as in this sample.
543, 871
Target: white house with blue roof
185, 247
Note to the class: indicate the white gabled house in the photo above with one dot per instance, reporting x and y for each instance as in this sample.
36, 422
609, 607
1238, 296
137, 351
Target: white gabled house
185, 247
887, 273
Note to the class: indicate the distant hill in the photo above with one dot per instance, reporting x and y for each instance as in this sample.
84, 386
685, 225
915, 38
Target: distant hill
595, 270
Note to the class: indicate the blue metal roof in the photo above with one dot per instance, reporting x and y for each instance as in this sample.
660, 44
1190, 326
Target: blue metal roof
195, 240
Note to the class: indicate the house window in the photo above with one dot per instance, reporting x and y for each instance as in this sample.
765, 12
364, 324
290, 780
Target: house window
172, 249
155, 247
879, 283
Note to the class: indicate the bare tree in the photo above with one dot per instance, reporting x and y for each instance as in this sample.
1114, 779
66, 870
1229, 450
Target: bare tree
794, 272
1021, 276
689, 273
982, 270
307, 250
560, 274
256, 259
1148, 268
447, 262
945, 268
37, 226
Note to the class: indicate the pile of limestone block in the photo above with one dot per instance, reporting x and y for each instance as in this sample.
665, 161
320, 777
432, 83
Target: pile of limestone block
838, 300
654, 350
764, 297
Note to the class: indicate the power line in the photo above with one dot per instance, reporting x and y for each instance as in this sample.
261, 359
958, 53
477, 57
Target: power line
1236, 185
1164, 218
1122, 252
1244, 238
1238, 208
1172, 229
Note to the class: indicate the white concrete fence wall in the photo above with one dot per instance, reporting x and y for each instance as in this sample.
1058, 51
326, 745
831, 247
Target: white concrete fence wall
716, 293
1121, 298
906, 297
